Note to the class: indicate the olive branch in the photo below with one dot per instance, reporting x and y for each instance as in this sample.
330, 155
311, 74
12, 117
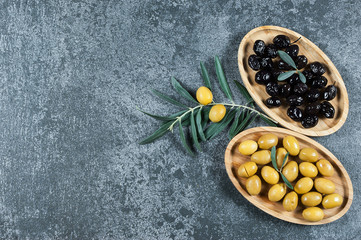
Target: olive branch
287, 58
240, 115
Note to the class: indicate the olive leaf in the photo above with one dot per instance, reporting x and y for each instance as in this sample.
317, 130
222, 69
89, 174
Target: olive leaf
285, 75
244, 92
289, 185
216, 128
157, 134
199, 125
177, 114
222, 79
183, 139
205, 76
286, 58
169, 99
243, 124
205, 116
178, 87
194, 130
273, 158
284, 161
302, 77
269, 122
234, 124
162, 118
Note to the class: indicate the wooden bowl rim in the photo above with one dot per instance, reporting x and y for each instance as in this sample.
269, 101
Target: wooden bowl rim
258, 204
290, 124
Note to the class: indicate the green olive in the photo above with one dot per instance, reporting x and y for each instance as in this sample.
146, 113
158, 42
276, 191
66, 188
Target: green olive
308, 169
254, 185
332, 200
267, 141
261, 157
290, 171
324, 186
280, 155
303, 185
270, 175
311, 199
290, 201
291, 144
248, 147
325, 168
247, 169
313, 214
277, 192
308, 155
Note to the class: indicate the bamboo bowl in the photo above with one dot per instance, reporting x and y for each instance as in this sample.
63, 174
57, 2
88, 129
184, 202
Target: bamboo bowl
258, 92
233, 159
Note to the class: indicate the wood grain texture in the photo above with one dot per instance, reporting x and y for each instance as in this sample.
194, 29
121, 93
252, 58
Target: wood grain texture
325, 126
233, 159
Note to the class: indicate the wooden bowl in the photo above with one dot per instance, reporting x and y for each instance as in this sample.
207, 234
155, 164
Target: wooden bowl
325, 126
233, 159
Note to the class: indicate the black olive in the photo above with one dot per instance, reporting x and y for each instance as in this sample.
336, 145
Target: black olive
327, 110
283, 66
295, 113
313, 108
300, 88
294, 79
273, 102
272, 89
312, 95
292, 50
284, 90
275, 73
266, 63
308, 74
271, 51
319, 82
281, 41
329, 93
259, 47
254, 62
309, 121
263, 77
295, 100
301, 61
317, 68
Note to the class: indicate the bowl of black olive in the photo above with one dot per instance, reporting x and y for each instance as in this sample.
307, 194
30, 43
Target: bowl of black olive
293, 81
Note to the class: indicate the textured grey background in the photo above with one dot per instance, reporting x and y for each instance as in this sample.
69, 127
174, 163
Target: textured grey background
71, 75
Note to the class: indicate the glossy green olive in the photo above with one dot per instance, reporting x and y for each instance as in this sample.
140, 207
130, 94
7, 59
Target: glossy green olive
303, 185
313, 214
308, 155
254, 185
332, 200
291, 144
270, 175
204, 95
280, 155
325, 168
267, 141
324, 186
290, 171
247, 169
277, 192
248, 147
261, 157
308, 169
290, 201
311, 199
217, 113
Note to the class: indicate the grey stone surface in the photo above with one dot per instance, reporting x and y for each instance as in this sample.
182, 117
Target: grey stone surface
71, 75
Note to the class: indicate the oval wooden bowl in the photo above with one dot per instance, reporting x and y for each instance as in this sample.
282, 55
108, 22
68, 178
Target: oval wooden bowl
233, 159
258, 92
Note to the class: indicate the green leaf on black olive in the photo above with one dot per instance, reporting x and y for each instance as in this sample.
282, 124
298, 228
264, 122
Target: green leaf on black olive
285, 75
285, 57
302, 77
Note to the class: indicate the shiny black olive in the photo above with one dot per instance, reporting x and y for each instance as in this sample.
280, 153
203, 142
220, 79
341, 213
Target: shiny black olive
295, 100
312, 108
301, 61
283, 66
300, 88
295, 113
259, 47
271, 51
308, 74
263, 77
275, 73
254, 62
309, 121
319, 82
312, 95
329, 93
273, 102
284, 90
317, 68
272, 89
292, 50
327, 110
281, 41
294, 79
266, 63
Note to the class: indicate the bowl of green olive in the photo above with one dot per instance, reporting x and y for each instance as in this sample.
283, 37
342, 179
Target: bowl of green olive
288, 175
